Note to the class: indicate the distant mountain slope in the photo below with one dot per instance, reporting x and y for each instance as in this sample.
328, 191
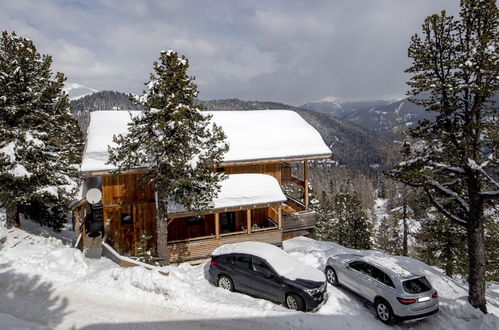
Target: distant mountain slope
105, 100
341, 109
391, 119
76, 91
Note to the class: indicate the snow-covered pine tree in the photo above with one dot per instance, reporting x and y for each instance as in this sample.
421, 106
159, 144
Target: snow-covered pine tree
177, 142
325, 225
352, 226
455, 73
40, 142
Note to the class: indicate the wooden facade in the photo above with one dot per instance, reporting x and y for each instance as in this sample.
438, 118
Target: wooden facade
129, 209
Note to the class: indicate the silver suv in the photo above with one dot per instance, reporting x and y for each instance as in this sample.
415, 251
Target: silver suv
397, 293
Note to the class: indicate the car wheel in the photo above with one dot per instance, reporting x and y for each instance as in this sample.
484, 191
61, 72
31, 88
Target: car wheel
225, 282
384, 311
294, 302
331, 276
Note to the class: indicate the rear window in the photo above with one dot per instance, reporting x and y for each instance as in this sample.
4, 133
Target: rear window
416, 285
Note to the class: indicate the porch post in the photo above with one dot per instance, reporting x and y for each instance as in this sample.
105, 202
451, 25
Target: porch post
279, 216
248, 220
305, 183
217, 225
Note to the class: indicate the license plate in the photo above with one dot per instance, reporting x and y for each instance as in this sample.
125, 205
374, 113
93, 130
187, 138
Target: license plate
423, 299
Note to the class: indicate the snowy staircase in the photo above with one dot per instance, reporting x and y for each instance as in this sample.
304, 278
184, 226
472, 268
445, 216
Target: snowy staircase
92, 247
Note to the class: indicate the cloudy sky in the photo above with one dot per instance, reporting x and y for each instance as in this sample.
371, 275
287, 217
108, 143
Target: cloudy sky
285, 51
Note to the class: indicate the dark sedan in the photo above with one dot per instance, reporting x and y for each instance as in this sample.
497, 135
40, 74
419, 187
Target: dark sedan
270, 273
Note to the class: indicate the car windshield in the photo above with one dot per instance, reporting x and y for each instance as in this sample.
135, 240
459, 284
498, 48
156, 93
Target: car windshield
416, 285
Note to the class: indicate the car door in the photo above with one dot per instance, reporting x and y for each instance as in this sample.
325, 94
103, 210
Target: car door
383, 284
371, 281
267, 283
358, 280
242, 275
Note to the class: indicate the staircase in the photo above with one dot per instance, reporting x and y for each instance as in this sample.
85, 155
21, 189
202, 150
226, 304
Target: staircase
92, 247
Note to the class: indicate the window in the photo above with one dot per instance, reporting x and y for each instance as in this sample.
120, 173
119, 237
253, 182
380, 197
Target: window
126, 219
194, 221
261, 267
242, 261
416, 285
358, 266
382, 277
230, 259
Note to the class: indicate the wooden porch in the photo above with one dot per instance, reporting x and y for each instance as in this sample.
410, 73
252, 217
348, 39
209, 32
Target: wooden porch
192, 237
201, 248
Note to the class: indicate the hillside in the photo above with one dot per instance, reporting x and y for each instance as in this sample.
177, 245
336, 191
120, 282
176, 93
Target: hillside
341, 109
105, 100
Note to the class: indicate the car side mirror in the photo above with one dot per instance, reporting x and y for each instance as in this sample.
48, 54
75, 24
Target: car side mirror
347, 266
268, 275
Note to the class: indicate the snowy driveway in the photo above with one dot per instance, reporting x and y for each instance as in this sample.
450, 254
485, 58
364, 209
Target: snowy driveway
48, 283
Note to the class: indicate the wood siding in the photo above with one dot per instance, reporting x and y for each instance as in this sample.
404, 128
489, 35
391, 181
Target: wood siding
185, 251
270, 169
124, 194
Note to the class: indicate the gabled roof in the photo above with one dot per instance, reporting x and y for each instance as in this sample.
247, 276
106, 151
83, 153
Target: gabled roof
260, 135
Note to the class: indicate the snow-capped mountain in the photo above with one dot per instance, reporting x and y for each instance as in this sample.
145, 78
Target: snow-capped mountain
339, 109
327, 104
392, 118
77, 91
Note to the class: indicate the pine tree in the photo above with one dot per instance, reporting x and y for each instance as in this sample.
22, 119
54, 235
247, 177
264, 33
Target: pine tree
325, 226
175, 140
342, 220
442, 242
455, 74
40, 142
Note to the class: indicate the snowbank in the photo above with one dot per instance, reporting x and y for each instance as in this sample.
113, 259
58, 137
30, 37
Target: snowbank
36, 286
9, 322
282, 263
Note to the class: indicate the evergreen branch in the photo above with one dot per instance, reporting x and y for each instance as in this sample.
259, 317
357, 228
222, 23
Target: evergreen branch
444, 210
450, 193
490, 194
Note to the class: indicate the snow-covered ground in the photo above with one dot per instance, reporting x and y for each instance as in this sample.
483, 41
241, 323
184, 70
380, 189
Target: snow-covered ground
44, 283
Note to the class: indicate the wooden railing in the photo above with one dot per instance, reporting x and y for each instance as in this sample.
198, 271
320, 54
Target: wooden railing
201, 249
298, 220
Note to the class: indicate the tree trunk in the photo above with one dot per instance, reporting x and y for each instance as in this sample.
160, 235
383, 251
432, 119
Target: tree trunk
12, 214
476, 255
162, 228
406, 231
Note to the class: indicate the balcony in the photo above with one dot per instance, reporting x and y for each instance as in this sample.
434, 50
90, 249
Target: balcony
296, 219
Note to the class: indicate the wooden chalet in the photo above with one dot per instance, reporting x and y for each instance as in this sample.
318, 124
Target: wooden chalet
251, 206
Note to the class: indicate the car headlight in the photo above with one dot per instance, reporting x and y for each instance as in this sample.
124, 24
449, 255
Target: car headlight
313, 291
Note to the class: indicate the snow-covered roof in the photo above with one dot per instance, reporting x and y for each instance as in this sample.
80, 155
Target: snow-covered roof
243, 190
252, 136
284, 264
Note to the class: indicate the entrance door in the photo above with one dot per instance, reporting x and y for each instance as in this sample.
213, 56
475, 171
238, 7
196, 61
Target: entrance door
227, 222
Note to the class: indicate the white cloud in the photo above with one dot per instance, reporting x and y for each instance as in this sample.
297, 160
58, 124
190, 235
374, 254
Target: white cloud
273, 50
